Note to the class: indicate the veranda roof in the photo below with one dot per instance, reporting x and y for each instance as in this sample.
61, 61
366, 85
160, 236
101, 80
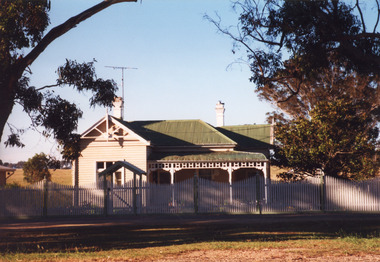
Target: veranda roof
7, 169
212, 156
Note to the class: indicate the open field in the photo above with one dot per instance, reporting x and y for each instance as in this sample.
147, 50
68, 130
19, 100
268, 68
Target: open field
274, 171
333, 237
63, 176
59, 176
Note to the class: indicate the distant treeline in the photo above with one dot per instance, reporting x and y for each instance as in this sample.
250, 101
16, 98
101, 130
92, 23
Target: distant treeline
62, 164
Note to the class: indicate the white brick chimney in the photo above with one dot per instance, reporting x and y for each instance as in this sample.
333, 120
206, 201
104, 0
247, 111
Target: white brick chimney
118, 108
219, 114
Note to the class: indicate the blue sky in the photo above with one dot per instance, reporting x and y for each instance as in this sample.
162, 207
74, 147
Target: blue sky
184, 65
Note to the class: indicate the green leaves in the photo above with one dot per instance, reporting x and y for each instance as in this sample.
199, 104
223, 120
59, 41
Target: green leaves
36, 168
318, 62
14, 140
302, 52
22, 29
83, 78
30, 98
72, 73
339, 139
70, 147
60, 116
56, 115
22, 23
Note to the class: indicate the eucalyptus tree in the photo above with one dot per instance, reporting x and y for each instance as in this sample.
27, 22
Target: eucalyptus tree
304, 55
23, 26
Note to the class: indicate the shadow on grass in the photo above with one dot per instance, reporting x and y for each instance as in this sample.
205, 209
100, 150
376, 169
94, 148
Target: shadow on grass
111, 237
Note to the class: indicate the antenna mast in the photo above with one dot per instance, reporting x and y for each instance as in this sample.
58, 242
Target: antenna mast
122, 78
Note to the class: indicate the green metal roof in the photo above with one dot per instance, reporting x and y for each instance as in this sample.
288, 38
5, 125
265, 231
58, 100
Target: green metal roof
212, 156
179, 133
248, 136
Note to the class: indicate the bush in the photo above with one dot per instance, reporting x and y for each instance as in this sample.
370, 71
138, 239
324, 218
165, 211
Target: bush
12, 185
36, 168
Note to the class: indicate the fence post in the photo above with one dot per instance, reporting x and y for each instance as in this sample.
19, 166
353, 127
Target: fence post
105, 211
140, 195
76, 196
323, 192
258, 195
134, 195
45, 197
195, 194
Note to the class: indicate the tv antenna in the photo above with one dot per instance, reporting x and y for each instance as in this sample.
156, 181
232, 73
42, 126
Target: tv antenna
122, 68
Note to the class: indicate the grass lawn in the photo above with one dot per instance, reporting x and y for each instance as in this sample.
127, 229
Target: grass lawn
338, 240
59, 176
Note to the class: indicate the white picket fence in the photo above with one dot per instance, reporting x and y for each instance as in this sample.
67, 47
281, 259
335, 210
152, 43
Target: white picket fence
342, 195
192, 196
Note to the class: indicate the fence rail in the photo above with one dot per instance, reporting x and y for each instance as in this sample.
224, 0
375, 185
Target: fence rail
192, 196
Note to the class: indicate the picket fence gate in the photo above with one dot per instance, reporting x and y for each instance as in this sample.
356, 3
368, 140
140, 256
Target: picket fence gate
192, 196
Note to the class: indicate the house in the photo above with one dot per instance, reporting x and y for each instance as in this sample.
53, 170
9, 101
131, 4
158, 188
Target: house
4, 172
170, 151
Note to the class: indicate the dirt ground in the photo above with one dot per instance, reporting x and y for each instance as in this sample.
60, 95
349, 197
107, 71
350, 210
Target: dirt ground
141, 231
263, 255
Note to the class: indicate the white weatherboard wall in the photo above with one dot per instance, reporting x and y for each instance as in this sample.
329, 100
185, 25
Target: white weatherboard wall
92, 151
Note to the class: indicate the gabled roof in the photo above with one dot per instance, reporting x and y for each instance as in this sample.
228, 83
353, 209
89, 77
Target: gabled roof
103, 119
100, 129
248, 136
187, 133
179, 133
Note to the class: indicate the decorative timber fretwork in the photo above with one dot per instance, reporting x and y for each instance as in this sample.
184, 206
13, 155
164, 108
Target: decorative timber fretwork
176, 166
229, 166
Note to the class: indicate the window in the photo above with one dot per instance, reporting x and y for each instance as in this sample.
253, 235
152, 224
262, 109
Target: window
160, 177
99, 165
117, 178
108, 164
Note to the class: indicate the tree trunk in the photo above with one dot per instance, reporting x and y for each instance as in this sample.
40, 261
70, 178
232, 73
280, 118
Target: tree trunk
7, 88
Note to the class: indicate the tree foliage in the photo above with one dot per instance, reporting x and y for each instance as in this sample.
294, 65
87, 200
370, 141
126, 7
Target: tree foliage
22, 27
37, 168
296, 48
309, 56
335, 140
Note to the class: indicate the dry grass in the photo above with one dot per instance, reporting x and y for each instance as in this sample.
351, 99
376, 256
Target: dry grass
59, 176
293, 250
274, 171
63, 176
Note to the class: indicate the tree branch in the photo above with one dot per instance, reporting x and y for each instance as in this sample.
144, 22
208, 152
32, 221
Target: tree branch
378, 16
47, 86
293, 93
63, 28
361, 15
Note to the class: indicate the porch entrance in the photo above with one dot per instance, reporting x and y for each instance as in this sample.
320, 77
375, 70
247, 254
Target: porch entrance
207, 182
194, 195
